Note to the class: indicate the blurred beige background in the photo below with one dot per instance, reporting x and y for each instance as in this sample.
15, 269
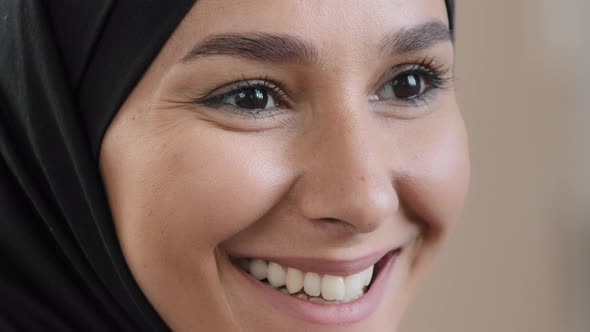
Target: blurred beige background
519, 261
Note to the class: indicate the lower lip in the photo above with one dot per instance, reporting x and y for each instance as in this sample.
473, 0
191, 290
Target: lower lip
330, 314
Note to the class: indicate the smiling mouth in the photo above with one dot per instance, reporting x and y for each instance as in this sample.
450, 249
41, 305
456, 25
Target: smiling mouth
312, 286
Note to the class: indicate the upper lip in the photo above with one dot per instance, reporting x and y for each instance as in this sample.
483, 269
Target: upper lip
324, 265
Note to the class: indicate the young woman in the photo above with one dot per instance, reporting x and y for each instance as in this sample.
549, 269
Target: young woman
224, 165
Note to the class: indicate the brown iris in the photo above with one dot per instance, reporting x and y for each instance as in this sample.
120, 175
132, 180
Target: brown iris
251, 98
408, 86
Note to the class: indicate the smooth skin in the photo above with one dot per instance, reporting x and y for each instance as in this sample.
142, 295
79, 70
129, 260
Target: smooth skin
329, 171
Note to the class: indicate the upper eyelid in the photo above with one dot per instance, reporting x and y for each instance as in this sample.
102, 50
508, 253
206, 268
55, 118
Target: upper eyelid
425, 65
236, 86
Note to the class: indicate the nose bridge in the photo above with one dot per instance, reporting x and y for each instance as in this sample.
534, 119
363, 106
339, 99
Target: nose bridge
346, 175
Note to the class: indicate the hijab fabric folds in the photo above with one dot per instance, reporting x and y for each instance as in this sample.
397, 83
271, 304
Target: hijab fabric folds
63, 269
66, 66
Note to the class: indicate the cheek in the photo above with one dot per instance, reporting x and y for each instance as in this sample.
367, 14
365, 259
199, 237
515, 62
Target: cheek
435, 171
212, 185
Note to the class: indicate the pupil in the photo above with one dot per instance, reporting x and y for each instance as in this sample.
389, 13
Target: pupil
251, 98
407, 87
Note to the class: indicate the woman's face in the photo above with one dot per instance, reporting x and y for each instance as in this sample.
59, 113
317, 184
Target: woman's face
302, 143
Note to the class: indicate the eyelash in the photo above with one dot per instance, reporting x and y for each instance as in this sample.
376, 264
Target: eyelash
436, 76
433, 75
263, 82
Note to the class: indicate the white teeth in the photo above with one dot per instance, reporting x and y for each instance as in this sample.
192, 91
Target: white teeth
294, 280
368, 275
276, 275
311, 284
258, 269
353, 286
332, 287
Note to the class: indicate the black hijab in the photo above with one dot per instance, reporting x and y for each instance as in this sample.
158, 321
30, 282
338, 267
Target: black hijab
66, 66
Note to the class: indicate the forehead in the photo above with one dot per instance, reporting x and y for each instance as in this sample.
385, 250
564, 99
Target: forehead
328, 23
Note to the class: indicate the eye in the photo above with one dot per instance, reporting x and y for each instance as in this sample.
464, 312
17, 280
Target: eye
248, 105
414, 83
405, 86
254, 97
251, 98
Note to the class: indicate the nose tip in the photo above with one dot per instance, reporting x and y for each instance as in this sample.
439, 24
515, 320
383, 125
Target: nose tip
361, 203
348, 180
368, 205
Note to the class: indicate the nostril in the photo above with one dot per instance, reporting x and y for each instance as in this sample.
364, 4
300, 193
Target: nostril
346, 226
331, 220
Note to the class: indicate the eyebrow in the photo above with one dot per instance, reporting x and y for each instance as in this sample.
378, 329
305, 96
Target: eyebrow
416, 38
285, 48
265, 47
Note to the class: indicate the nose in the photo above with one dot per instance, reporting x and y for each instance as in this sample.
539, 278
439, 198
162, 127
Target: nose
347, 177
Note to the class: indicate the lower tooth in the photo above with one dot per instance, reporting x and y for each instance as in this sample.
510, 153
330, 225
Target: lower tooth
317, 300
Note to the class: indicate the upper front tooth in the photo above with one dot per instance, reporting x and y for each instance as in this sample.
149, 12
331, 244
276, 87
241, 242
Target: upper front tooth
276, 275
354, 286
311, 284
294, 280
258, 269
332, 287
368, 273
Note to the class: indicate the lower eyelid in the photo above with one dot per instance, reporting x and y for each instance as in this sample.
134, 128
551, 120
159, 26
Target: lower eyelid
424, 99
